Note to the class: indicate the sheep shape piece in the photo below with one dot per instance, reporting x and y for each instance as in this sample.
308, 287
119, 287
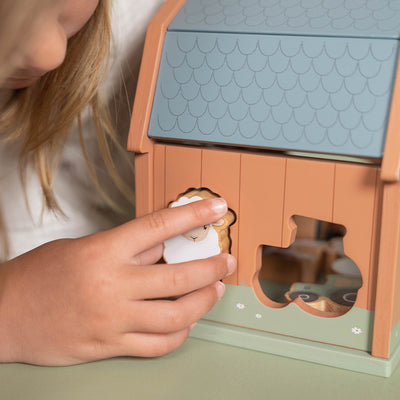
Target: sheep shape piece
202, 242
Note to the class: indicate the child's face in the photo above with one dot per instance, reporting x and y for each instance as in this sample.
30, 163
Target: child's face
46, 46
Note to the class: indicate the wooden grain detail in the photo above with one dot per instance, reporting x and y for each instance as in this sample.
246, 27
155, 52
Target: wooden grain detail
261, 209
144, 183
182, 170
159, 176
309, 188
221, 174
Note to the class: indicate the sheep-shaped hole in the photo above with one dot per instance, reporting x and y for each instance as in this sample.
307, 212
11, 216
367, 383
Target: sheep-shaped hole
201, 242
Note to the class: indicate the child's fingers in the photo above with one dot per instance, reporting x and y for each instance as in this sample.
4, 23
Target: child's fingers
150, 256
163, 316
167, 280
151, 344
146, 232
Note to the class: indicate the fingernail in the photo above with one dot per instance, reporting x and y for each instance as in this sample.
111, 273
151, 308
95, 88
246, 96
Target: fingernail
219, 206
231, 263
220, 289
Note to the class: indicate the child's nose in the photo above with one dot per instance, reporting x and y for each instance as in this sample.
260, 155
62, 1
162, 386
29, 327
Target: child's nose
46, 49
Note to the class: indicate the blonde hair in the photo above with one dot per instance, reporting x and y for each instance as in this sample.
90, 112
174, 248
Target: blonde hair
41, 116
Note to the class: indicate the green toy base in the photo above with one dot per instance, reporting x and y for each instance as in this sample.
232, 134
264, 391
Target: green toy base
335, 356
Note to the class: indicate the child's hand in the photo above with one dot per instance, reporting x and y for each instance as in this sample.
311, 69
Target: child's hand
77, 300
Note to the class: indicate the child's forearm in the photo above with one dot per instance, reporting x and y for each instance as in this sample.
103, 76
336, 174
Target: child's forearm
8, 334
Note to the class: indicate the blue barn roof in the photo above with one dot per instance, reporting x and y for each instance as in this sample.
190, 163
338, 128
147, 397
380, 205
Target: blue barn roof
301, 84
349, 18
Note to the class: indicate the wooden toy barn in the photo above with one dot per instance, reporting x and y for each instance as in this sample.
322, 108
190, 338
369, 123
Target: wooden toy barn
290, 110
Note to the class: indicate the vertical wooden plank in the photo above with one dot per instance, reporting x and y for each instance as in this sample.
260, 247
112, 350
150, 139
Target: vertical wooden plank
144, 183
182, 170
354, 207
387, 274
375, 243
221, 174
159, 177
308, 192
261, 210
396, 300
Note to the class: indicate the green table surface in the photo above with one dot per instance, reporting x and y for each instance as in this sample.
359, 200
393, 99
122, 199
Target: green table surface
197, 370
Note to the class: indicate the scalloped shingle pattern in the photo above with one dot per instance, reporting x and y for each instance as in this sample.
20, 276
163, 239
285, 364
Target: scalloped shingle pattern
328, 95
370, 18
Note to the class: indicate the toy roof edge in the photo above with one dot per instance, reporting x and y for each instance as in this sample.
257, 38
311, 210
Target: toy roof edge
138, 140
286, 33
337, 18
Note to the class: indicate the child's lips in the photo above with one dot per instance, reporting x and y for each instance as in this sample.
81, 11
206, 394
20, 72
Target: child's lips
23, 78
19, 82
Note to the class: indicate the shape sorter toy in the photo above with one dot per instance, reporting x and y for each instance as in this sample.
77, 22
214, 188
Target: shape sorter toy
290, 110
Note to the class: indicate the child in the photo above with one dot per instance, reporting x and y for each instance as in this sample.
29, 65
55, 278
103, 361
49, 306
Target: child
76, 300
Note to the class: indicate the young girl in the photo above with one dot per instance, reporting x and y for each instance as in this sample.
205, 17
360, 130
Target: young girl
76, 300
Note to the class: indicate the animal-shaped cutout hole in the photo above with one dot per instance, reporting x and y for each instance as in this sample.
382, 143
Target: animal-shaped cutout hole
201, 242
314, 269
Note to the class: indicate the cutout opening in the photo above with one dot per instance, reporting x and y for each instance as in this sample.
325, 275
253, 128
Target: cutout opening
314, 271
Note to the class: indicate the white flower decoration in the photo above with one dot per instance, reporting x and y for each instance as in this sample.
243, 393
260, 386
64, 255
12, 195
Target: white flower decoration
240, 306
356, 330
258, 316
